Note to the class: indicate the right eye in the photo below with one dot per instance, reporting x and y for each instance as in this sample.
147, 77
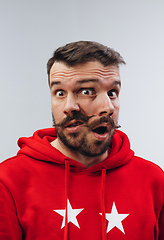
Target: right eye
60, 93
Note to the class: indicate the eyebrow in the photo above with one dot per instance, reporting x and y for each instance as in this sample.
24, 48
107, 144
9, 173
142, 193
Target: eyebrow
117, 83
79, 81
85, 81
55, 83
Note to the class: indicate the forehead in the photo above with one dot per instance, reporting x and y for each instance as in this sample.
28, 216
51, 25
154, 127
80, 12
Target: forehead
60, 72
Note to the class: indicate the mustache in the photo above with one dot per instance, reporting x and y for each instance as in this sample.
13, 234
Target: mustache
103, 119
74, 116
84, 118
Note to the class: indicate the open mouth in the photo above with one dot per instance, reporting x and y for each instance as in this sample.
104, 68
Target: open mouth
100, 130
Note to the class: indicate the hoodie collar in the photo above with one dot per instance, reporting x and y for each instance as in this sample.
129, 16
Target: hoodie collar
38, 147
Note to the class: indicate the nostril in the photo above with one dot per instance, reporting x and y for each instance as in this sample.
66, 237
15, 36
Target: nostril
71, 112
103, 112
71, 106
74, 111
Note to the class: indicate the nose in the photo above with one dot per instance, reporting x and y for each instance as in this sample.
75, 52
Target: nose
105, 105
71, 105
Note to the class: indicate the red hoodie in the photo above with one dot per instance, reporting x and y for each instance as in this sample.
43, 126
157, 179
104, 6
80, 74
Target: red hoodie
121, 198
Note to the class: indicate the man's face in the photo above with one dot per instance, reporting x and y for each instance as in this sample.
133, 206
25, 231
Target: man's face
85, 105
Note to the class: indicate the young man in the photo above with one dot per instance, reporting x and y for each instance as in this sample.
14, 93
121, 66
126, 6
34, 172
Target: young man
80, 180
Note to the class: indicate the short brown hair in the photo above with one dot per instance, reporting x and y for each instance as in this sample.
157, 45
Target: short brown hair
84, 51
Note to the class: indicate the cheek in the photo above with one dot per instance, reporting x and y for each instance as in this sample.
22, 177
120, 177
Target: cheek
116, 112
57, 111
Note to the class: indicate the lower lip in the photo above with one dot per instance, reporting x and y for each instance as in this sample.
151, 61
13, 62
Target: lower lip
73, 129
100, 137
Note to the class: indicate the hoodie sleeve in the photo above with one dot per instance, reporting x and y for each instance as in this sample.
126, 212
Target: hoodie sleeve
9, 225
161, 224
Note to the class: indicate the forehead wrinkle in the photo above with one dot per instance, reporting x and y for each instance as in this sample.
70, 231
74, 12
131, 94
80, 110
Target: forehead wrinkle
85, 74
99, 71
87, 80
106, 73
92, 76
59, 74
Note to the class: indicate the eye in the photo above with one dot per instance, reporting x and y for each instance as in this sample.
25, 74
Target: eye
87, 92
113, 94
60, 93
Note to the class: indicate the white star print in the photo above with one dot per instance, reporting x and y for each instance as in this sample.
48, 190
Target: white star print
115, 219
71, 214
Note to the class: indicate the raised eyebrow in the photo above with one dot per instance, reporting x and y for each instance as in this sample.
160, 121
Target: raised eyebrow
79, 81
55, 83
97, 80
84, 81
117, 83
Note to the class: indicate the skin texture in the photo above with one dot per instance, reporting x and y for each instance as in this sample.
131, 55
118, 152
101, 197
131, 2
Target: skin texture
86, 97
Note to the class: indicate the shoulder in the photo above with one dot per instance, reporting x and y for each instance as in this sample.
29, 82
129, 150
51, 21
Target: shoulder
16, 167
10, 165
147, 165
147, 170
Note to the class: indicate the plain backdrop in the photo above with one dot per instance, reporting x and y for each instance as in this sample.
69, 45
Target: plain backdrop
31, 30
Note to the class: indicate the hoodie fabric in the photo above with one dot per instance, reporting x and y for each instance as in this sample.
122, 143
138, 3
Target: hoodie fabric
45, 195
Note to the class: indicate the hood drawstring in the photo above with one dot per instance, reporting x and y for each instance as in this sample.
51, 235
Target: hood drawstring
66, 198
103, 177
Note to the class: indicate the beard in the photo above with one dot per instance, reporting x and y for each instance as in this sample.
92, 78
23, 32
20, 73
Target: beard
81, 141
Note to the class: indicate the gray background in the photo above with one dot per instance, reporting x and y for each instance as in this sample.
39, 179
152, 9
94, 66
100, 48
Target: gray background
31, 30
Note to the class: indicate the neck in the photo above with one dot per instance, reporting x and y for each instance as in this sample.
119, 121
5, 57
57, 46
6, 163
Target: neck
75, 155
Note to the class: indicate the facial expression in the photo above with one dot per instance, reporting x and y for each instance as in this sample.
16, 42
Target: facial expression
85, 105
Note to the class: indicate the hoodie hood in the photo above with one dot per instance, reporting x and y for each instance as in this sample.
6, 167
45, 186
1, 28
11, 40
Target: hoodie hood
39, 148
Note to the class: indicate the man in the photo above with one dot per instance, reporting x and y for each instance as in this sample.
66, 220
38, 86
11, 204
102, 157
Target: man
80, 180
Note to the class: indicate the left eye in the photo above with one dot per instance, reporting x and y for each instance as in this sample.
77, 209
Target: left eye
112, 94
87, 92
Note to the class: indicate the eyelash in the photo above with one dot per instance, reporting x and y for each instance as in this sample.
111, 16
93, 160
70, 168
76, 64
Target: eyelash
93, 94
58, 91
113, 91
